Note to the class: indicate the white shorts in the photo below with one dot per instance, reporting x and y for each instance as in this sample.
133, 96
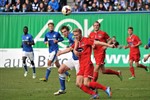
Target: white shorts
30, 55
71, 63
53, 57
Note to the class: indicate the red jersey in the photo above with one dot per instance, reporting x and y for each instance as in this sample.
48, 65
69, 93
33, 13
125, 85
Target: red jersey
133, 40
102, 37
85, 49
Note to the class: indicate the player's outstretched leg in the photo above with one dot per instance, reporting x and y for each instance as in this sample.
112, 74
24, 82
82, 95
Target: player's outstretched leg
100, 86
62, 84
48, 71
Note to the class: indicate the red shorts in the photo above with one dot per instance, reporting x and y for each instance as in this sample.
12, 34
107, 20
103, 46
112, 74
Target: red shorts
86, 70
134, 57
100, 59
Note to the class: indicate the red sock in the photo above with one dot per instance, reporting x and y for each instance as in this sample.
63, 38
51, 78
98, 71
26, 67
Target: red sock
142, 66
109, 71
97, 86
87, 90
132, 71
95, 76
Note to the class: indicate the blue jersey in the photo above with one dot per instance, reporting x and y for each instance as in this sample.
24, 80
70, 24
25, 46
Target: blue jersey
50, 37
71, 42
149, 42
27, 38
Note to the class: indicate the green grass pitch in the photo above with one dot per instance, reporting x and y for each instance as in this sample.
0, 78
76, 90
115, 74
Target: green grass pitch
14, 86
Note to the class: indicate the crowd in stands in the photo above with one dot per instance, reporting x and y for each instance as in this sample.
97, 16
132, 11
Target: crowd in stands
78, 6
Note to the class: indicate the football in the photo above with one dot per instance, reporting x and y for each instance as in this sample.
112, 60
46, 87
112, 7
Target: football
66, 10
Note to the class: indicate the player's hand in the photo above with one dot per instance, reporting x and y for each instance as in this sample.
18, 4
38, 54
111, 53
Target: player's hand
125, 47
55, 41
93, 46
58, 53
76, 53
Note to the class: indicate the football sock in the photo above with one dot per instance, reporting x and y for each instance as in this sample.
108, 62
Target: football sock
142, 66
66, 73
87, 90
109, 71
33, 68
95, 76
48, 71
97, 86
62, 81
132, 71
25, 67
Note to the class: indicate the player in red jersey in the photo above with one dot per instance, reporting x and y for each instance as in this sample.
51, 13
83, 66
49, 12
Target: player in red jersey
83, 49
134, 55
99, 52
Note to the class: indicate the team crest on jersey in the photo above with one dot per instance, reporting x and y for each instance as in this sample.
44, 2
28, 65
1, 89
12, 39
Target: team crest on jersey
27, 37
54, 36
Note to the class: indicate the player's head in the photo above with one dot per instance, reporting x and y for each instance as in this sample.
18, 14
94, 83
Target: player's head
25, 29
130, 30
51, 26
113, 38
77, 34
65, 31
96, 25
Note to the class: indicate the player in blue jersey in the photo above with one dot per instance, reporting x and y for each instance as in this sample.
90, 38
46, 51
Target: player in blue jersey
27, 42
51, 39
146, 47
70, 64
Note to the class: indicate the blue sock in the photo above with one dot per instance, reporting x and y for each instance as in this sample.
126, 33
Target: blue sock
62, 82
33, 69
25, 67
66, 73
48, 71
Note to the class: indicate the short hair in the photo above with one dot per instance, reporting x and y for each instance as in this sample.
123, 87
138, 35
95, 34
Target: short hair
25, 27
98, 23
65, 27
77, 30
130, 28
50, 23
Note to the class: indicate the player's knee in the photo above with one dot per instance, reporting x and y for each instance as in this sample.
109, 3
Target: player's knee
60, 71
78, 84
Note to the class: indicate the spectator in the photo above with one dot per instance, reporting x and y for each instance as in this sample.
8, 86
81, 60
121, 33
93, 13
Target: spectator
89, 3
139, 7
18, 5
50, 9
123, 4
15, 9
28, 6
94, 7
42, 7
84, 8
24, 8
96, 2
101, 7
146, 8
7, 8
128, 8
80, 3
106, 5
35, 5
132, 4
111, 8
54, 4
120, 8
2, 5
75, 8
